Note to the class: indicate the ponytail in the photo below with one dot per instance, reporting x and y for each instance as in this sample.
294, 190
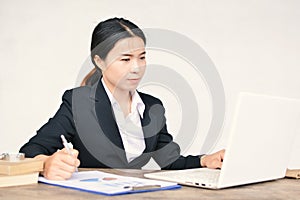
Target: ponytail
92, 77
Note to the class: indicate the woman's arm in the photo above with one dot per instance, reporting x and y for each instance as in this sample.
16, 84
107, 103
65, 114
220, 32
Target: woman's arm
58, 165
167, 152
47, 140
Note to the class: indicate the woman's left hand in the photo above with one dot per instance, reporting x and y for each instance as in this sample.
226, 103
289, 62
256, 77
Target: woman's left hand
213, 161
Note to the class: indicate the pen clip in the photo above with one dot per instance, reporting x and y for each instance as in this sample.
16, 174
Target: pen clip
142, 187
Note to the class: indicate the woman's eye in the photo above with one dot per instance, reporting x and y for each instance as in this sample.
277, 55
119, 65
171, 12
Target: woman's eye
125, 59
143, 58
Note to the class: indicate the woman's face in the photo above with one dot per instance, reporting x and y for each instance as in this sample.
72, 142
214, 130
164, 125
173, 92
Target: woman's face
124, 65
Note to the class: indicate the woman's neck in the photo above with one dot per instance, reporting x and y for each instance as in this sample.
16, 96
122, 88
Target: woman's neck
123, 97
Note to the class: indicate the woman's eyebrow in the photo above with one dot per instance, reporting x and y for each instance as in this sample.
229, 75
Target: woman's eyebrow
128, 54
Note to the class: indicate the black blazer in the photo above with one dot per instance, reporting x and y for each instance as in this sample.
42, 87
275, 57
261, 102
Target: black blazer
86, 119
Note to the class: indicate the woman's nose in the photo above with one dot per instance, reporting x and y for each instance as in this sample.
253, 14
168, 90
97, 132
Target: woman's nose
135, 68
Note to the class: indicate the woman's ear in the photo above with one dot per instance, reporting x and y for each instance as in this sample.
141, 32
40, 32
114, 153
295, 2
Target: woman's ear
99, 62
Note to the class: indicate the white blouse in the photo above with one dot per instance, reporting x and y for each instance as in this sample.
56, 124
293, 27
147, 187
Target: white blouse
130, 127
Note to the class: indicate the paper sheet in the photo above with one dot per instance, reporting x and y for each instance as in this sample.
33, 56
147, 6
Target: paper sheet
110, 184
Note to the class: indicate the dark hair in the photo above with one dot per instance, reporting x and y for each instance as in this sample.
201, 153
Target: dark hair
105, 35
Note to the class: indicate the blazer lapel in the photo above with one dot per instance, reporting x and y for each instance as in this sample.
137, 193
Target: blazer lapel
149, 125
107, 121
151, 122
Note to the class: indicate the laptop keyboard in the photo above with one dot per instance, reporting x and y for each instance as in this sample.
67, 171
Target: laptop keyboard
196, 177
209, 177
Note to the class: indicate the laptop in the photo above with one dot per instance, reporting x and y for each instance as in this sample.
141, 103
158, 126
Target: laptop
259, 145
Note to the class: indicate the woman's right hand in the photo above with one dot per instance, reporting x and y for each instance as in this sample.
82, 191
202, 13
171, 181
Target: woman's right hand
60, 165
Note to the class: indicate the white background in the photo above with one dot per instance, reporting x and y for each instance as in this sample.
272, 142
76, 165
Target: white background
254, 44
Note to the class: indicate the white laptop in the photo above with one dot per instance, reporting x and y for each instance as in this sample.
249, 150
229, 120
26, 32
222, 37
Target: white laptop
259, 145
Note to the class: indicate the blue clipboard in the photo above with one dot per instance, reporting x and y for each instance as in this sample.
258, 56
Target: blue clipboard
98, 182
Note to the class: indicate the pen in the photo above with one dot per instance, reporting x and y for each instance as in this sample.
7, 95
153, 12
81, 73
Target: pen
67, 146
142, 187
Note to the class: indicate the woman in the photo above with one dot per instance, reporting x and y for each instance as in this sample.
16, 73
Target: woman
109, 123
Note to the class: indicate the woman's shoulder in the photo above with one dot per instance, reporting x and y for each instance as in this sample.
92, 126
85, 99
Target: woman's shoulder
82, 91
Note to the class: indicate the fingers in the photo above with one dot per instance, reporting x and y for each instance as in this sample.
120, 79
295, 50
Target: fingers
214, 161
221, 153
77, 163
75, 153
54, 173
61, 165
214, 164
69, 159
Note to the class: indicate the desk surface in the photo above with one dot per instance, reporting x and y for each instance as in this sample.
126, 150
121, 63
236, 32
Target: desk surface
278, 189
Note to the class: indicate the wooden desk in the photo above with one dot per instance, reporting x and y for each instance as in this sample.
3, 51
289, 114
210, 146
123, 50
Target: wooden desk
279, 189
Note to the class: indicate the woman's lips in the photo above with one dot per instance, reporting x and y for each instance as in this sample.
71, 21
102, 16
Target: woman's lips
134, 80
